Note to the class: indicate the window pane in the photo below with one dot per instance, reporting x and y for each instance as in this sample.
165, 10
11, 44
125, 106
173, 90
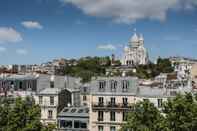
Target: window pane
40, 99
76, 124
100, 128
51, 100
112, 128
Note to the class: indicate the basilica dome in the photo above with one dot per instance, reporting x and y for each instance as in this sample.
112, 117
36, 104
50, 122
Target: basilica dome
134, 38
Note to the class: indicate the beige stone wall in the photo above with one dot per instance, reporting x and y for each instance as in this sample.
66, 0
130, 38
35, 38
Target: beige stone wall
44, 113
87, 102
45, 107
194, 71
107, 123
106, 127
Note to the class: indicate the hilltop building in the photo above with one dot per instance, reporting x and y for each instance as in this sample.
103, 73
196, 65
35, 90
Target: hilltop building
135, 53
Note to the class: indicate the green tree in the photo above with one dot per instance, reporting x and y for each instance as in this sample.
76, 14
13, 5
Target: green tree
144, 117
151, 70
164, 65
22, 115
181, 113
88, 67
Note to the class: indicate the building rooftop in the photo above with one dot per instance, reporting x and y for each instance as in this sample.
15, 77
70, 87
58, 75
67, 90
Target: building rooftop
50, 91
17, 77
131, 82
74, 112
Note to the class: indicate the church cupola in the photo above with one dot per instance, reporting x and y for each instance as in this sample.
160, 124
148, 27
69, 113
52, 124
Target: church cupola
134, 38
134, 41
141, 39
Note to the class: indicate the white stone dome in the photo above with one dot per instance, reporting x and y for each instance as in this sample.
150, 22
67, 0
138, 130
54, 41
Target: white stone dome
134, 38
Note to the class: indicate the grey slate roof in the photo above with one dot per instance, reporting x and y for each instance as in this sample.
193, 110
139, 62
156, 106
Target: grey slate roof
18, 77
50, 91
133, 83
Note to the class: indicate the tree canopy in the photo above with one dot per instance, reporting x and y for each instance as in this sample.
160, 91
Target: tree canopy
88, 67
144, 117
178, 114
21, 115
151, 70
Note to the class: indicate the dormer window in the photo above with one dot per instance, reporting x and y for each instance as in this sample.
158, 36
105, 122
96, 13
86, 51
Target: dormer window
84, 89
52, 81
113, 85
125, 85
51, 84
102, 85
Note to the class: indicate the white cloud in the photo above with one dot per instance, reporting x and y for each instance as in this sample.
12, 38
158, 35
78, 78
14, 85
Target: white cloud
128, 11
32, 25
2, 49
9, 35
22, 51
106, 47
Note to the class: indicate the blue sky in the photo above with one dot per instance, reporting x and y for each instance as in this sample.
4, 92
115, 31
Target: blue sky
35, 31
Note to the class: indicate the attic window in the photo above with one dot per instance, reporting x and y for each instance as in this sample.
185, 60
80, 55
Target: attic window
52, 84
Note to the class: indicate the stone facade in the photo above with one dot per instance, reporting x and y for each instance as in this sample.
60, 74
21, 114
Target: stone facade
110, 101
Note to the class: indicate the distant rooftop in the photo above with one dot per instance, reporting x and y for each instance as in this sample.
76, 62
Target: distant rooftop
50, 91
17, 77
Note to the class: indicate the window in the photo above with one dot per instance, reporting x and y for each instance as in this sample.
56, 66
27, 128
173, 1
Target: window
52, 84
69, 124
84, 98
101, 103
20, 85
51, 100
102, 85
113, 85
50, 114
62, 124
124, 116
125, 101
76, 124
29, 85
84, 89
83, 125
112, 115
112, 128
40, 99
145, 99
100, 128
173, 93
159, 102
65, 124
100, 115
113, 101
125, 85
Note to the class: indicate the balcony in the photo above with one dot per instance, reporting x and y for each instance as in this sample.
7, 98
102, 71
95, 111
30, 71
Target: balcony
99, 104
112, 104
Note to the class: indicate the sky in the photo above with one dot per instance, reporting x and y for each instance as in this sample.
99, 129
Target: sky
36, 31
